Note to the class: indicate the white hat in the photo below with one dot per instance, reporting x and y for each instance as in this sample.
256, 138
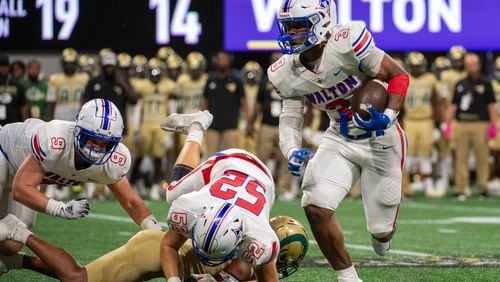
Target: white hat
108, 59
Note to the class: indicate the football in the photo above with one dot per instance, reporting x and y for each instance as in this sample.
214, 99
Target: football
370, 92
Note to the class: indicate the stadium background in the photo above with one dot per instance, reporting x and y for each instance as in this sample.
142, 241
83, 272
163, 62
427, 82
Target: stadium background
437, 240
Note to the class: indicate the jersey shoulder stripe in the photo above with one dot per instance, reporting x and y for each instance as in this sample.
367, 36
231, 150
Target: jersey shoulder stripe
361, 44
38, 153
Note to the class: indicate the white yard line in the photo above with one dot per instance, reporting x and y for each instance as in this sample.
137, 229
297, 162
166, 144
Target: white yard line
457, 208
370, 248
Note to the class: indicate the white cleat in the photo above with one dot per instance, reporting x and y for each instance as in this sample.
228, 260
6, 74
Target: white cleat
11, 228
381, 248
181, 122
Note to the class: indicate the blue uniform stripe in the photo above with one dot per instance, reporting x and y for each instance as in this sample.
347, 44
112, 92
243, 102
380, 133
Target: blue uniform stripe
359, 38
366, 47
213, 229
285, 7
106, 115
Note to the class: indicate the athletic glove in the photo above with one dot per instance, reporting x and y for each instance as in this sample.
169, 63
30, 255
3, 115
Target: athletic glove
74, 209
377, 122
298, 159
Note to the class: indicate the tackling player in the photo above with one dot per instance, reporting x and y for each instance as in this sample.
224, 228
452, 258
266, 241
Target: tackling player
323, 62
129, 262
222, 204
65, 153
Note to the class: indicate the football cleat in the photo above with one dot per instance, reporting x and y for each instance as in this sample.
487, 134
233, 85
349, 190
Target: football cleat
181, 122
381, 248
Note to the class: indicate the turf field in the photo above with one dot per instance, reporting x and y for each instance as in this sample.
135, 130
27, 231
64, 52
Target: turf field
437, 240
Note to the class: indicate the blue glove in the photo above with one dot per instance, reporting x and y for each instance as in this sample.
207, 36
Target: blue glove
299, 159
378, 121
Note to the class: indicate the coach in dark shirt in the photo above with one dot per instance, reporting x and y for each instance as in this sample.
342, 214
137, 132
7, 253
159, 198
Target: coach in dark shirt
112, 85
473, 106
13, 103
224, 97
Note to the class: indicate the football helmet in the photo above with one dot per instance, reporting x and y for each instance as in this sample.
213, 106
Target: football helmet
103, 51
440, 64
164, 52
124, 61
252, 72
315, 18
217, 234
416, 63
196, 64
293, 244
456, 55
69, 58
139, 63
174, 66
86, 63
155, 70
100, 121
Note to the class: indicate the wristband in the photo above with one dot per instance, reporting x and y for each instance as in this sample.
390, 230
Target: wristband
150, 222
174, 279
392, 114
54, 207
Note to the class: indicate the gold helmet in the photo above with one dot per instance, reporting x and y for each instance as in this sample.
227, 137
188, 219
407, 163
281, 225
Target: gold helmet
86, 63
196, 64
416, 63
69, 55
293, 244
252, 72
104, 51
440, 64
497, 63
456, 52
139, 63
155, 69
164, 52
174, 66
124, 60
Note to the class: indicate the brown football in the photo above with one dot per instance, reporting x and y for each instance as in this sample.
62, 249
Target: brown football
370, 92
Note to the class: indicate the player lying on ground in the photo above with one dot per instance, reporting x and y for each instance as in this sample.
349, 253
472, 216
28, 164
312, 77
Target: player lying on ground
139, 258
222, 204
35, 152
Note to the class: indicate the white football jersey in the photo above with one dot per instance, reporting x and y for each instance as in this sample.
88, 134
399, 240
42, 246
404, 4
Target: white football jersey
52, 145
237, 177
349, 58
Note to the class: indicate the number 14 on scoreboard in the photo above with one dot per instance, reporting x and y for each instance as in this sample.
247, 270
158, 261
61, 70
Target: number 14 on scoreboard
184, 22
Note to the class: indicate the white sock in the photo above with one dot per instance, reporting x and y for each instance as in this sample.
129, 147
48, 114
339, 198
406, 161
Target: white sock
195, 133
347, 275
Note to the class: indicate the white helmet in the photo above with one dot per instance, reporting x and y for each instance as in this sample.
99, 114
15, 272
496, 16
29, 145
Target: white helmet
317, 16
217, 234
100, 120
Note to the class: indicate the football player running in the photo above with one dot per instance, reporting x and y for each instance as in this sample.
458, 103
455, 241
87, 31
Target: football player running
323, 62
223, 205
65, 153
139, 258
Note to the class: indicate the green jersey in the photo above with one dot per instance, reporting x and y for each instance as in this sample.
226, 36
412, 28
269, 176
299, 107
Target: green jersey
36, 95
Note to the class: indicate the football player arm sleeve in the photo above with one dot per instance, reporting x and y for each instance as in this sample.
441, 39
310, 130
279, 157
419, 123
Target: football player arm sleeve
133, 204
290, 126
169, 254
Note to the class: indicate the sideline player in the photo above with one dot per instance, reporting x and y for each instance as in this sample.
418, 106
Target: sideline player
222, 204
129, 262
323, 63
66, 153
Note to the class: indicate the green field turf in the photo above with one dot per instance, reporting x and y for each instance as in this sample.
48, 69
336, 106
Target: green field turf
437, 240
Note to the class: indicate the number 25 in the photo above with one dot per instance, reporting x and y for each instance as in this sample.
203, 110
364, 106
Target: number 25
233, 180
